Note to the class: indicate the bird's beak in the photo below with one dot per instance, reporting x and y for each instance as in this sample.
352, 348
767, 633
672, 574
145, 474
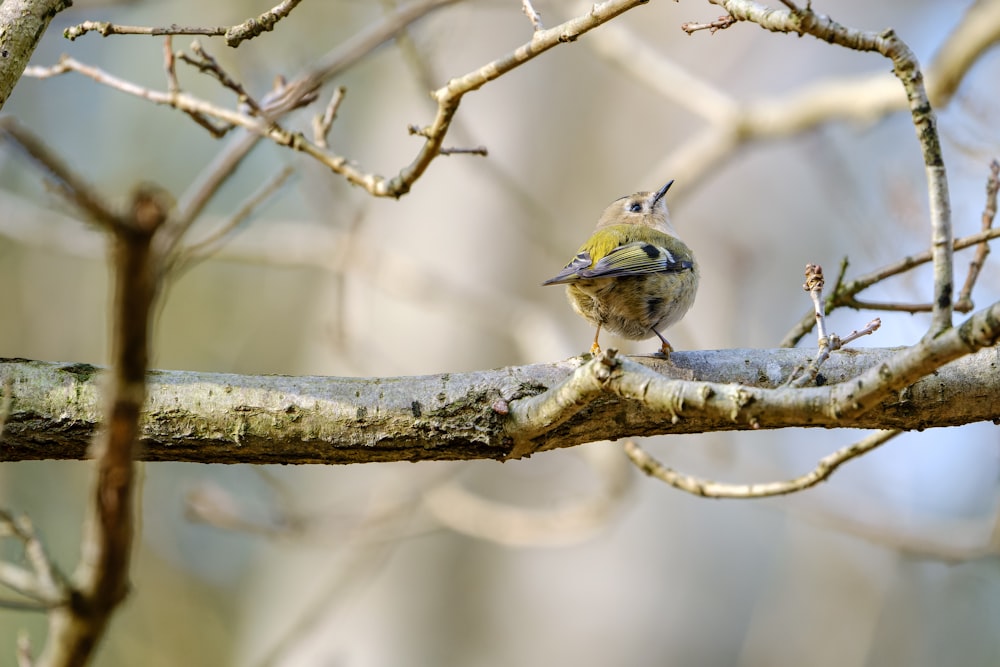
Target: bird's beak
658, 195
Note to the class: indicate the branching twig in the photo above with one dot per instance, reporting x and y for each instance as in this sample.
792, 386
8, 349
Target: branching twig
205, 63
234, 35
826, 343
43, 584
844, 292
306, 85
709, 489
322, 123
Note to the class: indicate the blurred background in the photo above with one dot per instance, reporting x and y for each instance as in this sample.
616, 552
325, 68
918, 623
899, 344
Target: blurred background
569, 557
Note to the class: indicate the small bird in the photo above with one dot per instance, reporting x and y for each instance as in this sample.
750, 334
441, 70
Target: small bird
633, 276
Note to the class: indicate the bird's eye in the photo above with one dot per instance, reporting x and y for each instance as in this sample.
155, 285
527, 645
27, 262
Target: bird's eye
635, 207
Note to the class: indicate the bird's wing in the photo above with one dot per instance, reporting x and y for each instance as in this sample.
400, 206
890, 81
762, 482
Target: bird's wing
633, 259
572, 271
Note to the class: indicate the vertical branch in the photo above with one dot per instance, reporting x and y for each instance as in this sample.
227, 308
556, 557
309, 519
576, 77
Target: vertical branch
907, 69
100, 582
983, 249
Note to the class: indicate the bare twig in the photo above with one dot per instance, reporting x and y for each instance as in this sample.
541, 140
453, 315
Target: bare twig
710, 489
106, 28
43, 583
712, 27
322, 123
264, 23
478, 150
205, 63
867, 330
234, 35
292, 95
532, 14
826, 343
814, 285
964, 300
24, 658
304, 88
844, 293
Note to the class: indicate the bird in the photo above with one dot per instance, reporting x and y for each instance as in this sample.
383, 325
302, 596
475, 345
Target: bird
633, 276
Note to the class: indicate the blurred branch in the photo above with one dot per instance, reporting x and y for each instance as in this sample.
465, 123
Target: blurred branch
471, 514
22, 24
42, 584
100, 582
62, 178
709, 489
234, 35
733, 124
512, 411
208, 246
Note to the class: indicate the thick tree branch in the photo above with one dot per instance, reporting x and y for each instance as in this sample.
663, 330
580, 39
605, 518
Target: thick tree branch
244, 419
22, 24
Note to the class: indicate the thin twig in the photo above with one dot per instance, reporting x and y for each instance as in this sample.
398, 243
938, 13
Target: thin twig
710, 489
478, 150
532, 14
234, 34
106, 28
964, 300
827, 343
24, 658
712, 27
323, 122
814, 285
263, 23
43, 584
868, 330
844, 292
304, 88
207, 64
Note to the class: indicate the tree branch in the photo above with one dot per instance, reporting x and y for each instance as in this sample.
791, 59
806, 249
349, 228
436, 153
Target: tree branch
907, 70
224, 418
22, 24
